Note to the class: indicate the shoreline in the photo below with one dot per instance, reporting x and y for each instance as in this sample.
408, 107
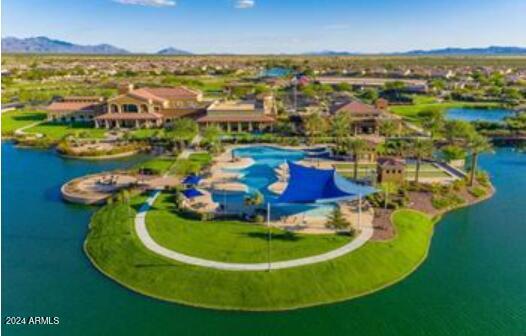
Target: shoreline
100, 157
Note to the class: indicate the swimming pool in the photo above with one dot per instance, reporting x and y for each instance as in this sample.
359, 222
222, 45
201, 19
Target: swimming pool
260, 175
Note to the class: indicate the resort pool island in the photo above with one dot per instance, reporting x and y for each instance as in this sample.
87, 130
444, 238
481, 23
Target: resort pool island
229, 264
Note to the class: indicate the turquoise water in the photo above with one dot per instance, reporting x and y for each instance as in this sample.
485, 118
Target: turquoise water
473, 283
478, 114
260, 175
275, 72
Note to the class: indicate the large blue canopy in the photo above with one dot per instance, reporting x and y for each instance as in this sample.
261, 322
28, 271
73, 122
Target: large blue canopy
311, 185
192, 180
192, 193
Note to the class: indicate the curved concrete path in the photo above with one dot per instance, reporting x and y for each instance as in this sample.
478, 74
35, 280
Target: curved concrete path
142, 232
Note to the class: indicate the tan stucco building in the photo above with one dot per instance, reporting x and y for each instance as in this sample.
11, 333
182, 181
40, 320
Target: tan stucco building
150, 107
240, 115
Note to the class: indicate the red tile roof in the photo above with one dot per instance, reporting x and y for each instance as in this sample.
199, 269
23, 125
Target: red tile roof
129, 116
161, 94
72, 106
357, 108
244, 118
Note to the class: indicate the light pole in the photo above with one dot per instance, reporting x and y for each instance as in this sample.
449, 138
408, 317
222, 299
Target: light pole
269, 235
360, 210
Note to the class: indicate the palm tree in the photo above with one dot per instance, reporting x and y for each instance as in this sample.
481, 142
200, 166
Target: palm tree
433, 120
476, 145
315, 125
421, 149
388, 129
183, 130
356, 147
340, 128
212, 136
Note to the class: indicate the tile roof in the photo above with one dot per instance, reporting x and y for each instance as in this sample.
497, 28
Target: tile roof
72, 106
129, 116
357, 108
232, 118
162, 94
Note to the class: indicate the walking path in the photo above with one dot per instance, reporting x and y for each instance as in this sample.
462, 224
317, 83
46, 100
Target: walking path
22, 130
142, 232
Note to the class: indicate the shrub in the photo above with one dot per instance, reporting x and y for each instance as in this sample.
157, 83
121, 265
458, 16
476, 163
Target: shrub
483, 178
337, 221
259, 219
442, 202
477, 192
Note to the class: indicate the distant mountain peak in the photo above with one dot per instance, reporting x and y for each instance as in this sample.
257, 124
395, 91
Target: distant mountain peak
173, 51
46, 45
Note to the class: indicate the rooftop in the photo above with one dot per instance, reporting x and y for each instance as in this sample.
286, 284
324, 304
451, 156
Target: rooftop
232, 105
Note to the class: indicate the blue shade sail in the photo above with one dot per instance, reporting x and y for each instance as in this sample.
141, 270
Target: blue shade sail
311, 185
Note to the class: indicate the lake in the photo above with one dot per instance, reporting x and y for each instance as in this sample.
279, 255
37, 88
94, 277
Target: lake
275, 72
473, 282
478, 114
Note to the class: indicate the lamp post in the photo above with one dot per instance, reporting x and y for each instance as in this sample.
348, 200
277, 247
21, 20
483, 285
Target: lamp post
360, 210
269, 235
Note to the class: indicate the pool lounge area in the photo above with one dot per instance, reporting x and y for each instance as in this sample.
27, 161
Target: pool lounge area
262, 174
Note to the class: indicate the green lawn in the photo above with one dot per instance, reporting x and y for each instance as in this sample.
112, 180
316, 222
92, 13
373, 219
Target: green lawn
194, 164
159, 164
13, 120
143, 133
56, 131
231, 241
114, 248
203, 158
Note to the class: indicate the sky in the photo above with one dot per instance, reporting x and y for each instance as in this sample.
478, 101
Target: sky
271, 26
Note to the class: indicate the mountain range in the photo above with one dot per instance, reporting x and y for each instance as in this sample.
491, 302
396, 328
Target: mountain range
45, 45
492, 50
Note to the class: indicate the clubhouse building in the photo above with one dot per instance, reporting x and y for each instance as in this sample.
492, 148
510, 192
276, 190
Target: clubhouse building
156, 107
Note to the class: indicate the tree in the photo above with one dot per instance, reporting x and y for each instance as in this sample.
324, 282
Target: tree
315, 125
433, 119
452, 153
211, 134
356, 147
458, 131
396, 87
341, 87
388, 188
183, 130
477, 144
388, 128
421, 149
369, 94
337, 221
340, 128
438, 85
517, 124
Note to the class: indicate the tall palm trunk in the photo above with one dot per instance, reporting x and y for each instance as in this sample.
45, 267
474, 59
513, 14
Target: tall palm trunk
474, 163
417, 172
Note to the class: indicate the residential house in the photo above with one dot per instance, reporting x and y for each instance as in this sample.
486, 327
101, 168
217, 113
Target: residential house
365, 118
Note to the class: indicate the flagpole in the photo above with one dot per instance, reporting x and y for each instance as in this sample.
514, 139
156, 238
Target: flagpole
269, 235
